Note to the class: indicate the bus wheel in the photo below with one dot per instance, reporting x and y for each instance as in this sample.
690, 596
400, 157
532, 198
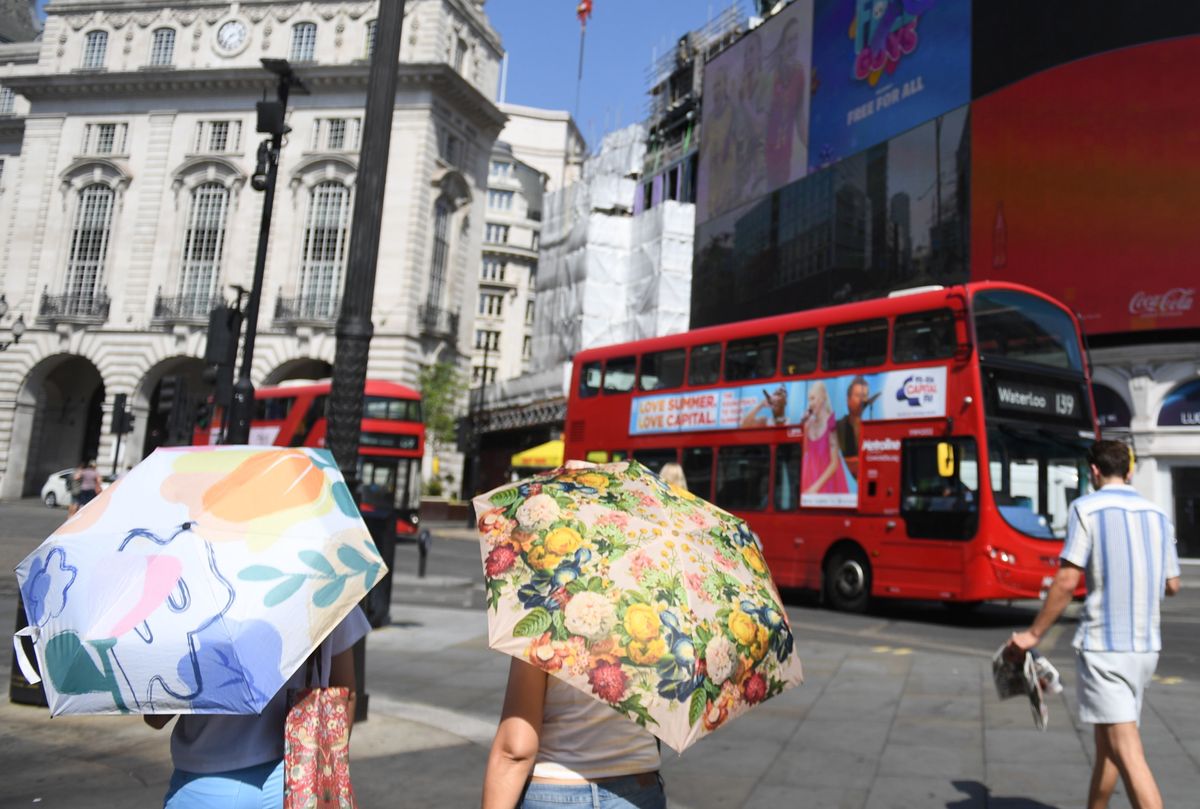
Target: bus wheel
848, 580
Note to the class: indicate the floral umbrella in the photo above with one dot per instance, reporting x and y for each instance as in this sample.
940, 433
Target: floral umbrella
197, 583
636, 592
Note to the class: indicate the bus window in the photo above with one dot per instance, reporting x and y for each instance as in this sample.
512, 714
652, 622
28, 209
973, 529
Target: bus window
855, 345
275, 408
743, 477
705, 367
800, 352
662, 369
619, 374
589, 380
924, 336
619, 455
697, 468
381, 407
596, 456
377, 478
787, 477
1015, 326
753, 358
939, 489
316, 410
653, 459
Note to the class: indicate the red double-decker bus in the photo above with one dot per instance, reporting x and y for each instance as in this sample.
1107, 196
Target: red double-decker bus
925, 445
390, 448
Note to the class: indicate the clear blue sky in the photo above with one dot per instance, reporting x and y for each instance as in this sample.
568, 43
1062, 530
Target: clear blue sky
542, 40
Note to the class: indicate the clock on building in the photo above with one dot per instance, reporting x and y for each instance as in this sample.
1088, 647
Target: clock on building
232, 36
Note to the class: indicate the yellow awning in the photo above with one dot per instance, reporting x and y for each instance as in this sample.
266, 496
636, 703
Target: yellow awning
546, 456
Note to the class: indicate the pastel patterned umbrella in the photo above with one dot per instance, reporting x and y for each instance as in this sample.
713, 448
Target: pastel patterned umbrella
637, 593
197, 583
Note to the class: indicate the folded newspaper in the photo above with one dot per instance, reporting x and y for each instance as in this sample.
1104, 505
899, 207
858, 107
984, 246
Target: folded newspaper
1030, 675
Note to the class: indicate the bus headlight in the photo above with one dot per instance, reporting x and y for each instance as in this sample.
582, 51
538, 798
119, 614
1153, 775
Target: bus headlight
1001, 555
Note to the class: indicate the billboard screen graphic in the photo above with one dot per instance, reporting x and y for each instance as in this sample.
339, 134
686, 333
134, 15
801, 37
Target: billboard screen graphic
823, 414
755, 113
1085, 184
881, 67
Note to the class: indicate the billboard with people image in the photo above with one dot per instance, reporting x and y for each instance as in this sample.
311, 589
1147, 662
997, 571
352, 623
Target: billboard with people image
824, 415
755, 115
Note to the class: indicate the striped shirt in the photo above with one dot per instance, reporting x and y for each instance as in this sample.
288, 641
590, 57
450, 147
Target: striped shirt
1126, 547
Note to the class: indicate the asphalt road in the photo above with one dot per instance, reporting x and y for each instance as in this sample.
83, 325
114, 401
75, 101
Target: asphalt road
453, 579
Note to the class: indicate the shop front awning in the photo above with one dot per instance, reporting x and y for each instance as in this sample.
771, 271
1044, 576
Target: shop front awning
543, 456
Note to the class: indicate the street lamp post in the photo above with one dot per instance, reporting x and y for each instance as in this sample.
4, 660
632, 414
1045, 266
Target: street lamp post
271, 116
354, 327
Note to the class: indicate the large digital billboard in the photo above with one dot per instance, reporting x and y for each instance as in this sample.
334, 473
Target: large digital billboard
892, 216
755, 113
1085, 183
881, 67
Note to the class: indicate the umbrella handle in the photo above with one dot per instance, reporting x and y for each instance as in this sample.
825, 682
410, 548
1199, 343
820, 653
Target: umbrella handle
27, 667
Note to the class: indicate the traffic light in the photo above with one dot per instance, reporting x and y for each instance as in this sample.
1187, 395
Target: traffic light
167, 390
220, 352
122, 418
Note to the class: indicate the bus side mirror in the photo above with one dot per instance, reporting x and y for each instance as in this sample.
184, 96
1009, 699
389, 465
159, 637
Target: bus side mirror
945, 459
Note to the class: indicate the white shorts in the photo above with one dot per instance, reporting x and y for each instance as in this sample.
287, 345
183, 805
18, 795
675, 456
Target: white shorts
1111, 685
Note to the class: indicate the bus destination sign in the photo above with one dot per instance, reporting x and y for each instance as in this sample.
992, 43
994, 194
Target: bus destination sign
1028, 398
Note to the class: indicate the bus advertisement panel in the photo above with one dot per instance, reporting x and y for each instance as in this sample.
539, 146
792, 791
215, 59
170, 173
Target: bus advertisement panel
825, 415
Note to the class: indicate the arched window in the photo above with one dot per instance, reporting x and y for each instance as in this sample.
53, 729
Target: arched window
372, 26
95, 50
441, 250
89, 247
203, 245
325, 242
162, 52
304, 42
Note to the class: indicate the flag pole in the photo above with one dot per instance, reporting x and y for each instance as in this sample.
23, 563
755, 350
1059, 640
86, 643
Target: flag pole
579, 77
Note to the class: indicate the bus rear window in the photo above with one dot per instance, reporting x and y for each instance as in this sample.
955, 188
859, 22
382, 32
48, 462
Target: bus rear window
753, 358
705, 367
800, 352
924, 336
379, 407
275, 408
743, 477
662, 369
855, 345
589, 380
619, 374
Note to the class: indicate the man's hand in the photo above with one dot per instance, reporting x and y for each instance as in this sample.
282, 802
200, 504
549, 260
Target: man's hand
1023, 641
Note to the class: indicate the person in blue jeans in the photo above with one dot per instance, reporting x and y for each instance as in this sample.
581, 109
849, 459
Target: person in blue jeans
557, 746
236, 762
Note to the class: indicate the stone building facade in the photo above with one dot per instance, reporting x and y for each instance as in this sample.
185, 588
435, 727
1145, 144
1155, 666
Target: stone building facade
126, 211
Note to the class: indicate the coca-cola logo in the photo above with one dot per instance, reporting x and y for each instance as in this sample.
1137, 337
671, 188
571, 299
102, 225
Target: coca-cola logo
1166, 304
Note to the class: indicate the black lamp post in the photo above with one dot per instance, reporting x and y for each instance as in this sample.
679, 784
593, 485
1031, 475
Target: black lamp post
271, 116
17, 328
354, 327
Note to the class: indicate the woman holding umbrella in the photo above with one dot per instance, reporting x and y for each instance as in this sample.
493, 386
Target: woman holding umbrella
236, 761
556, 745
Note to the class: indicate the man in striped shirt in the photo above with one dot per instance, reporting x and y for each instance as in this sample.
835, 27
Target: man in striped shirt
1125, 546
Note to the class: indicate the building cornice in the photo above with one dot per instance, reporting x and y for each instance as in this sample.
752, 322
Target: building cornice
447, 83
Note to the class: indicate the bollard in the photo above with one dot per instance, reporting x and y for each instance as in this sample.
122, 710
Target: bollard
424, 541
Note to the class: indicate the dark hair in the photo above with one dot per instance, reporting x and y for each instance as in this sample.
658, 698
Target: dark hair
1111, 458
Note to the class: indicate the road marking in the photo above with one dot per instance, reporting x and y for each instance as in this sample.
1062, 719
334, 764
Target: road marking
1167, 680
900, 651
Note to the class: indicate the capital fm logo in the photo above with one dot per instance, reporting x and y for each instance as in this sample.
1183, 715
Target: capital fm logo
917, 390
884, 32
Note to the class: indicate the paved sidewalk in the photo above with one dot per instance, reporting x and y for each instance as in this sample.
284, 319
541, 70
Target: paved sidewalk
873, 726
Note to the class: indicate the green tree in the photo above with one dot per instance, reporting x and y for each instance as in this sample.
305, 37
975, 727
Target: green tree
442, 388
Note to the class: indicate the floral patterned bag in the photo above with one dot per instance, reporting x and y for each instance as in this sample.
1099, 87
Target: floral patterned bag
317, 748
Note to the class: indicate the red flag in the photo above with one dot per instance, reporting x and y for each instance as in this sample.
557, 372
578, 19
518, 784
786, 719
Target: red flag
584, 10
